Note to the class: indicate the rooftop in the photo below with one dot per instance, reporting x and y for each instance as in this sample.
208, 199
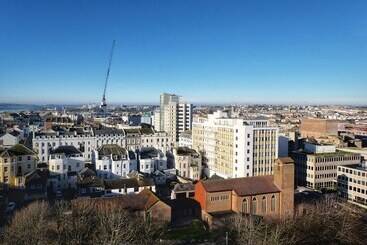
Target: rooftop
134, 202
243, 186
148, 152
185, 151
16, 150
68, 150
111, 149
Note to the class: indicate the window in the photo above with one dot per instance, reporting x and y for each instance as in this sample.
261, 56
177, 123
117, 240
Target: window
273, 203
244, 206
253, 206
263, 205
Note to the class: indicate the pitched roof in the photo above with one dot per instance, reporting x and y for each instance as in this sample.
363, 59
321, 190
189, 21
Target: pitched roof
68, 150
184, 151
111, 149
36, 176
16, 150
243, 186
108, 131
127, 183
148, 152
134, 202
146, 129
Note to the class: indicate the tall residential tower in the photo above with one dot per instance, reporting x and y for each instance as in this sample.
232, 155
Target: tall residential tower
175, 115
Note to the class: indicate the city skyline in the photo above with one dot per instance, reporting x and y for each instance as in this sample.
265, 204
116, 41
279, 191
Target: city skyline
207, 51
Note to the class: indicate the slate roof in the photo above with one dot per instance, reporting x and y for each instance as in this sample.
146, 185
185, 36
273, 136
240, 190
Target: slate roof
184, 151
111, 149
16, 150
148, 152
68, 150
184, 187
128, 183
37, 176
108, 131
132, 130
146, 129
243, 186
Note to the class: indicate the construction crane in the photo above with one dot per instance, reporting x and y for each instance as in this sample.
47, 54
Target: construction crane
103, 102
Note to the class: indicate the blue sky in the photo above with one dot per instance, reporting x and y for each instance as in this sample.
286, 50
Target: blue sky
296, 51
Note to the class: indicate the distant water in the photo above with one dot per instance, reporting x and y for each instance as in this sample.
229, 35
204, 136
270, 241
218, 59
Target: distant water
18, 107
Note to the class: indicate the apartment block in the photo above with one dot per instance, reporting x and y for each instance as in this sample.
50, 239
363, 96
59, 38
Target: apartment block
352, 184
176, 115
235, 147
316, 165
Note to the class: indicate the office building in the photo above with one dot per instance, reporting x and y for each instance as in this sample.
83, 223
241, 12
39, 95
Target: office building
235, 147
352, 184
316, 165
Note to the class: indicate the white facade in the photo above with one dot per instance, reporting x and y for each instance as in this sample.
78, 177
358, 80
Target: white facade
352, 184
63, 169
235, 147
175, 116
158, 140
43, 143
185, 139
152, 159
112, 164
156, 120
8, 140
318, 148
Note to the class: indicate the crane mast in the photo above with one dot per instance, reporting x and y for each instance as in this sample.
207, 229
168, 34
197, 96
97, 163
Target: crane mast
103, 102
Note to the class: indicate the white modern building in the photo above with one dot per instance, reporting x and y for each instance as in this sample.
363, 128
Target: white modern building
156, 120
113, 161
352, 184
316, 165
235, 147
64, 163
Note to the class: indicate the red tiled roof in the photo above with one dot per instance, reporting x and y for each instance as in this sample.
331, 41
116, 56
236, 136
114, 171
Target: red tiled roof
243, 186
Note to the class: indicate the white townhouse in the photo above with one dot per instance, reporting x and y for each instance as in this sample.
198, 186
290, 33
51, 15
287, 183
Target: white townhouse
113, 161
